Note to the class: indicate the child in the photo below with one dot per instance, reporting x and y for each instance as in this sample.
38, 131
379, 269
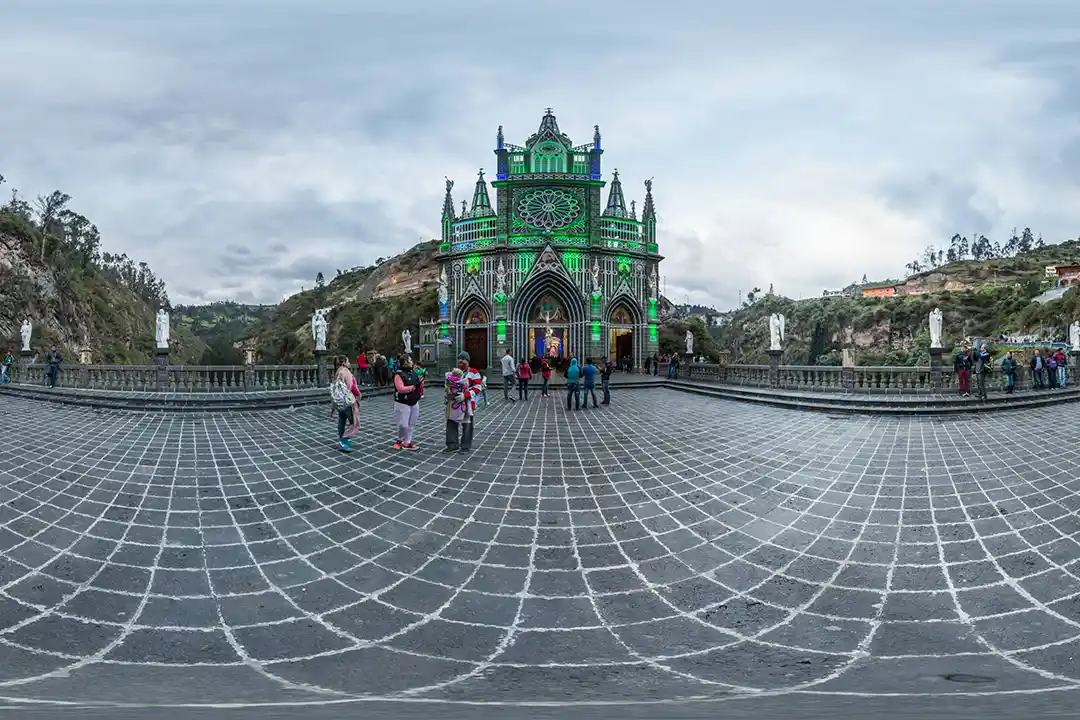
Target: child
456, 385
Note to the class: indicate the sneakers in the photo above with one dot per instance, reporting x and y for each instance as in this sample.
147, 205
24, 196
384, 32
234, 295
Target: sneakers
345, 446
398, 445
410, 446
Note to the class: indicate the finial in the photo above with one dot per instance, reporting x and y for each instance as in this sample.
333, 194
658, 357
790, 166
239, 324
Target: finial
633, 208
449, 184
463, 211
616, 173
499, 139
481, 173
648, 185
549, 111
596, 137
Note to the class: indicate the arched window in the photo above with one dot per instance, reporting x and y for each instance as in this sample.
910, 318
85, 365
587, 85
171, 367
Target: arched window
549, 158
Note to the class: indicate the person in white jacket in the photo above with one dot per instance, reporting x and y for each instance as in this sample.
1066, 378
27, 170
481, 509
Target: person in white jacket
509, 373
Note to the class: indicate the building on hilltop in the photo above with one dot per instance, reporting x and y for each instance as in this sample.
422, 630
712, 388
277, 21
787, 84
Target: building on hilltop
549, 268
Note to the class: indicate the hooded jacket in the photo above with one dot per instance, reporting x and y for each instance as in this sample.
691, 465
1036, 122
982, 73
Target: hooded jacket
573, 373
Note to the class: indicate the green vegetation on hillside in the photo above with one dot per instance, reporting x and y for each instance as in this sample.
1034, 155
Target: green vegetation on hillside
75, 293
221, 325
895, 331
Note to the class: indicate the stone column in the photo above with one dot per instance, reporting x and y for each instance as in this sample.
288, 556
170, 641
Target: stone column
847, 372
774, 367
249, 369
935, 368
161, 360
322, 371
1075, 379
22, 371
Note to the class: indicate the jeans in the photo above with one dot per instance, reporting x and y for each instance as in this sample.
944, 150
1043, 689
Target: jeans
963, 379
544, 387
605, 385
405, 416
344, 419
590, 390
980, 379
452, 442
507, 382
4, 379
1061, 376
573, 390
1037, 380
1010, 381
523, 388
50, 375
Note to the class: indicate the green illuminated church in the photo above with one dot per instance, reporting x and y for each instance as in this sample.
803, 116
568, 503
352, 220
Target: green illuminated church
549, 268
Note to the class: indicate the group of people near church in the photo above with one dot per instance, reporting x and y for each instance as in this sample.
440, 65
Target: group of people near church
464, 388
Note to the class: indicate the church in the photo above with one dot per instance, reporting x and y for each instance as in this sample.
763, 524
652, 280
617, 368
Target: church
549, 269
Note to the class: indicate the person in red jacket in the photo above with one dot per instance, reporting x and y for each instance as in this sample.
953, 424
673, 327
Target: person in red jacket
524, 374
365, 369
474, 386
1059, 356
545, 375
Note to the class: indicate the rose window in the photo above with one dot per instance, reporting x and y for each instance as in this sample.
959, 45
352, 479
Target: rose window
548, 209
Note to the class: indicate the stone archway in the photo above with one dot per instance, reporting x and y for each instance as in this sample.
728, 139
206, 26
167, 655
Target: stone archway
474, 337
567, 316
626, 331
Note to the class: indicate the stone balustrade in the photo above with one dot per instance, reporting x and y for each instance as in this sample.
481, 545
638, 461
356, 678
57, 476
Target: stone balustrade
176, 378
867, 379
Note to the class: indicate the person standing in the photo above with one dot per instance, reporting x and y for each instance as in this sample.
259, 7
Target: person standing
1038, 369
605, 382
573, 384
5, 368
53, 359
472, 387
344, 397
962, 366
981, 368
648, 364
365, 369
1008, 366
545, 375
508, 372
524, 375
588, 377
1059, 358
408, 389
1051, 371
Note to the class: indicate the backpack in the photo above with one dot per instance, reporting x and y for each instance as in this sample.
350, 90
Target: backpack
340, 395
1051, 363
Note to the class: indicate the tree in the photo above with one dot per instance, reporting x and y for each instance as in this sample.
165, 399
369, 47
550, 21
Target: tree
752, 296
49, 208
1026, 241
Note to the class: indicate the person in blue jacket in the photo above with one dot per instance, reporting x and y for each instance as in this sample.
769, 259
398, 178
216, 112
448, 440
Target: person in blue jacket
573, 384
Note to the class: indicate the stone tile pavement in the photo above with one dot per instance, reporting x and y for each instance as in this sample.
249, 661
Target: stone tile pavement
666, 548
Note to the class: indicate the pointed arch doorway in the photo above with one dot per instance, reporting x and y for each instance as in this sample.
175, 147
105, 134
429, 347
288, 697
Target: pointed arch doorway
620, 334
475, 340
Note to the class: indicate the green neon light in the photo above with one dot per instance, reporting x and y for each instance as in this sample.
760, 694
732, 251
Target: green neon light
596, 304
596, 330
571, 259
472, 263
444, 247
624, 264
653, 304
444, 329
652, 333
500, 330
500, 298
525, 261
653, 248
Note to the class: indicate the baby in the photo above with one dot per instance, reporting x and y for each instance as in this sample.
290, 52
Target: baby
456, 385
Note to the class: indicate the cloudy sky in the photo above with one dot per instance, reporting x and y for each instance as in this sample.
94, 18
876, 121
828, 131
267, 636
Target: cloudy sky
241, 146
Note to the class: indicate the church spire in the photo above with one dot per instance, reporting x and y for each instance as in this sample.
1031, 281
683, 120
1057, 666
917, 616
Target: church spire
500, 141
616, 203
648, 214
548, 125
448, 212
481, 204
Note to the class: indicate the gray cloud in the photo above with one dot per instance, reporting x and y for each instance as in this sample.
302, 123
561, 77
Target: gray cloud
240, 146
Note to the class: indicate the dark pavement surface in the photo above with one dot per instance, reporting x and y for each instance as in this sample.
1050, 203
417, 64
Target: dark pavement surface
666, 548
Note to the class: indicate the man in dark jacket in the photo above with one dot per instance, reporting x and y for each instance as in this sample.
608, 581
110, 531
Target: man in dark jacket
1008, 366
962, 365
981, 362
53, 359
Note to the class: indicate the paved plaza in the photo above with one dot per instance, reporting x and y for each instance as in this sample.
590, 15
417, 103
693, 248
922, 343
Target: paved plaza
669, 548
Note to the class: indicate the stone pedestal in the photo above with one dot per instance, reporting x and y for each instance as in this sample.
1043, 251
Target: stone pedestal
322, 369
774, 367
161, 361
1075, 366
26, 357
847, 372
249, 368
935, 368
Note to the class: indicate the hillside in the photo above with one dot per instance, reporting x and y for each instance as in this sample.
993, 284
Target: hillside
370, 306
221, 326
983, 298
53, 270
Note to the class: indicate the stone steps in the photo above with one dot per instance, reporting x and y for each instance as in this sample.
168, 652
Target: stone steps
862, 403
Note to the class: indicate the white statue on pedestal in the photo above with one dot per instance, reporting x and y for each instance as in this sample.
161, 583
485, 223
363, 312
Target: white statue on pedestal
935, 328
500, 279
318, 329
689, 343
1074, 335
596, 291
161, 332
776, 331
443, 298
406, 340
26, 330
653, 283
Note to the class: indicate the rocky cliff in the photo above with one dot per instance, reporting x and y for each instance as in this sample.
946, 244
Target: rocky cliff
75, 297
